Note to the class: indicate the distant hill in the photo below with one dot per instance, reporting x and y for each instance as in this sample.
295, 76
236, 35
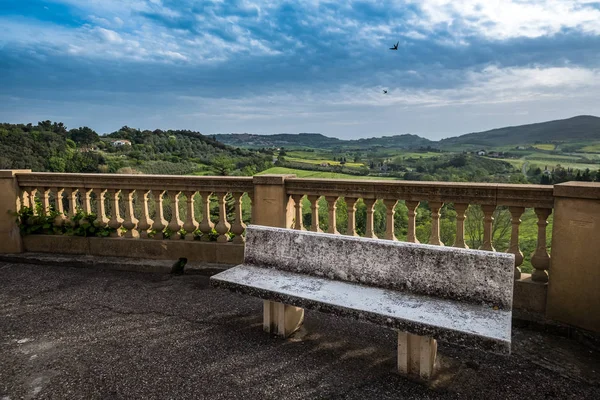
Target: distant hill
317, 140
583, 127
278, 140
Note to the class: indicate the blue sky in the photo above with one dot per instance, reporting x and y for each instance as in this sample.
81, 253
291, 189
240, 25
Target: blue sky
290, 66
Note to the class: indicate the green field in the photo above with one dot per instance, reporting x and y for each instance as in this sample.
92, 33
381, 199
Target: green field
317, 174
591, 148
545, 146
416, 154
320, 161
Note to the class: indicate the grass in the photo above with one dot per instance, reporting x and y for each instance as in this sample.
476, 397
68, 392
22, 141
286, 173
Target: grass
317, 174
319, 161
515, 162
411, 154
591, 148
553, 163
545, 146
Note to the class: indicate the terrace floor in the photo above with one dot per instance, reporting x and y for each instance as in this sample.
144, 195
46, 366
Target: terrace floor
90, 334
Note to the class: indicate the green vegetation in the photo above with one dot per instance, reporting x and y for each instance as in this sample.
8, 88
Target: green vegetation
545, 146
492, 157
583, 127
80, 224
316, 140
51, 147
317, 174
47, 146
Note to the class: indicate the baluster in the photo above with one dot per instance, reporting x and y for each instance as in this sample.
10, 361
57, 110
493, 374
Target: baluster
332, 207
160, 223
131, 221
411, 235
32, 192
24, 198
461, 210
145, 222
435, 207
314, 208
222, 226
238, 227
298, 210
175, 224
251, 197
115, 220
514, 248
488, 223
369, 231
45, 195
87, 205
59, 220
351, 207
190, 224
390, 207
540, 259
206, 226
72, 198
101, 219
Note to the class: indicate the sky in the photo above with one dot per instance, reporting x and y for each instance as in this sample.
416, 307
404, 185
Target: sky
299, 66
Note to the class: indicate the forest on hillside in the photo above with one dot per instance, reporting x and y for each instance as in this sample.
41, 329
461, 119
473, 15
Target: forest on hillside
50, 146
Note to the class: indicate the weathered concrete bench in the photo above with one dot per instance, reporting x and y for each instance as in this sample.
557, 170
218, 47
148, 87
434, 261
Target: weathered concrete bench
425, 292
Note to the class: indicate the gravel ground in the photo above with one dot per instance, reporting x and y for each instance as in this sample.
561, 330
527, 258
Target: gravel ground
76, 333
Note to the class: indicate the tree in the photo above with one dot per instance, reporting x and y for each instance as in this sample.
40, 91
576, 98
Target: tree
223, 165
84, 135
500, 227
57, 164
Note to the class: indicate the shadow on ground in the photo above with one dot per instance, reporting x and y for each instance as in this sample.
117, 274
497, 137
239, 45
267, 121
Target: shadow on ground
88, 334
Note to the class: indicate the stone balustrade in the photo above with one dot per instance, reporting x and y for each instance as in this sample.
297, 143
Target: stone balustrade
204, 219
516, 198
138, 206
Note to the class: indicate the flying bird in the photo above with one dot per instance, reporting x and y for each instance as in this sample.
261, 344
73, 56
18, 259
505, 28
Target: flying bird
395, 46
384, 91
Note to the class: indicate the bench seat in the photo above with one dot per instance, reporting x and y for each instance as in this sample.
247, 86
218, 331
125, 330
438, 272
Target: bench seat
457, 322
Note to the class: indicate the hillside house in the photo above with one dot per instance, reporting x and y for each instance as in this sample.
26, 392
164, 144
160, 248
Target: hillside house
121, 142
481, 153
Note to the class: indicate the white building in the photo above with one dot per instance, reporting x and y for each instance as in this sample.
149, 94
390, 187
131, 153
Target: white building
121, 142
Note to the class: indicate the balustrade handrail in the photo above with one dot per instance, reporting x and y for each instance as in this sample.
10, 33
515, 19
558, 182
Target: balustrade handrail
122, 181
521, 195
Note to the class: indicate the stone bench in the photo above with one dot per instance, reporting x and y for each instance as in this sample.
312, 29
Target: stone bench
425, 292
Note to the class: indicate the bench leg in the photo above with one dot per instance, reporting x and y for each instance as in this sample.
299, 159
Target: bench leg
416, 355
281, 319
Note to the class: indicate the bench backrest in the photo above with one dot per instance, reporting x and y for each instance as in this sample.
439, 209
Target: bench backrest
447, 272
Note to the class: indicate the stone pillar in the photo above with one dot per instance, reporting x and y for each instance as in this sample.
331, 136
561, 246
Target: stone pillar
416, 355
574, 281
272, 205
10, 237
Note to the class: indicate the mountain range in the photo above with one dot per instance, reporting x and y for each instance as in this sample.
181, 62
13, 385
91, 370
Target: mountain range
579, 128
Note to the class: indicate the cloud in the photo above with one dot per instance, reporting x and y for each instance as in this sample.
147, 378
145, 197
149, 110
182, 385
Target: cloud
286, 64
508, 19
